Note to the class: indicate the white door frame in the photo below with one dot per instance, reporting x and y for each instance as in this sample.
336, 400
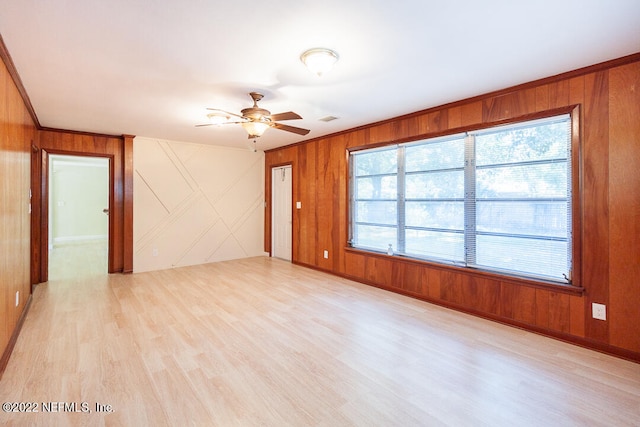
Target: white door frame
77, 158
284, 172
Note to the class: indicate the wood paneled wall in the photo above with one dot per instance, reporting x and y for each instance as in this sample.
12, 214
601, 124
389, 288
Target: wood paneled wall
22, 143
609, 99
17, 134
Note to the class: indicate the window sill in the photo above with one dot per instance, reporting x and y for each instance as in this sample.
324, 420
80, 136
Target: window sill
553, 286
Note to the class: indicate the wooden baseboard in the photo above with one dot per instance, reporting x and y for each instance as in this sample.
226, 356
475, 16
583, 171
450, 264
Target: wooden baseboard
571, 339
4, 361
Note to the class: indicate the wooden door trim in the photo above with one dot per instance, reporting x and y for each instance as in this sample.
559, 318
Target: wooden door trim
44, 208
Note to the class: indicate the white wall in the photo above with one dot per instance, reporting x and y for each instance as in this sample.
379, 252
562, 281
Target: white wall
195, 204
78, 192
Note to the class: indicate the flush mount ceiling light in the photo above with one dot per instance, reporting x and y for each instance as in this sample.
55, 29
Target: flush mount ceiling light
319, 60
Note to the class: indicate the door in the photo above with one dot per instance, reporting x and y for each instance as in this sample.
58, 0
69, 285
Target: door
281, 205
78, 232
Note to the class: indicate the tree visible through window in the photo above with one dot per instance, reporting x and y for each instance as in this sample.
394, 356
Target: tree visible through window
497, 199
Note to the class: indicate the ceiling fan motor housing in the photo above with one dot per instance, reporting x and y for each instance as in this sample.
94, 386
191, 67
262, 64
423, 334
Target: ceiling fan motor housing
256, 114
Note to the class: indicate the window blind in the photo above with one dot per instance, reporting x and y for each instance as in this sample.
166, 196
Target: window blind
496, 199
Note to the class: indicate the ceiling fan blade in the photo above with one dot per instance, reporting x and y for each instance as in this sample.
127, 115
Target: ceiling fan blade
289, 115
293, 129
224, 112
222, 124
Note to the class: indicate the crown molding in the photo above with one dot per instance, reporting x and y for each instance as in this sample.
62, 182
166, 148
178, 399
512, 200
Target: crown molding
11, 68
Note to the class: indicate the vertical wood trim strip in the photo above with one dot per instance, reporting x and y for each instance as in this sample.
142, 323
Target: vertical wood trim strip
36, 212
595, 228
44, 215
624, 206
127, 241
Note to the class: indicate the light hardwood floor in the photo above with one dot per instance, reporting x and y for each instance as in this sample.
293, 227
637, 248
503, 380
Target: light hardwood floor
77, 260
263, 342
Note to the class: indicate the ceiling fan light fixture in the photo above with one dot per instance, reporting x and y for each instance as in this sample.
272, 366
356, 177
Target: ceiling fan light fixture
319, 60
255, 129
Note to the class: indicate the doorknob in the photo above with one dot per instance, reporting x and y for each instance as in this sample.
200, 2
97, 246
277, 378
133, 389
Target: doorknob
106, 211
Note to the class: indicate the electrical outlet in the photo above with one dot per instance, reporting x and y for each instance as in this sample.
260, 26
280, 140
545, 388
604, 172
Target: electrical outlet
599, 311
326, 254
17, 298
298, 205
154, 252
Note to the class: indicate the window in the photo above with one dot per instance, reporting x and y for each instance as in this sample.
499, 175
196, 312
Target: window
496, 199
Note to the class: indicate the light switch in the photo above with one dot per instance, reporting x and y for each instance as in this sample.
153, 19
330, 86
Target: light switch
298, 205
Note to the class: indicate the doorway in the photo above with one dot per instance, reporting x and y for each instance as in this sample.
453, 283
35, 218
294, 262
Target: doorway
78, 209
281, 215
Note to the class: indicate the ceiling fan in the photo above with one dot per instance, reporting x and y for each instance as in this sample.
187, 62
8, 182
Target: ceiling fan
255, 120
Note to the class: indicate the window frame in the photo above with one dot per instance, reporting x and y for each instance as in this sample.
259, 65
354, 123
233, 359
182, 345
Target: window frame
575, 282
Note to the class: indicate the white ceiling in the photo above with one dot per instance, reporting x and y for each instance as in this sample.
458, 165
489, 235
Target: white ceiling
151, 67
